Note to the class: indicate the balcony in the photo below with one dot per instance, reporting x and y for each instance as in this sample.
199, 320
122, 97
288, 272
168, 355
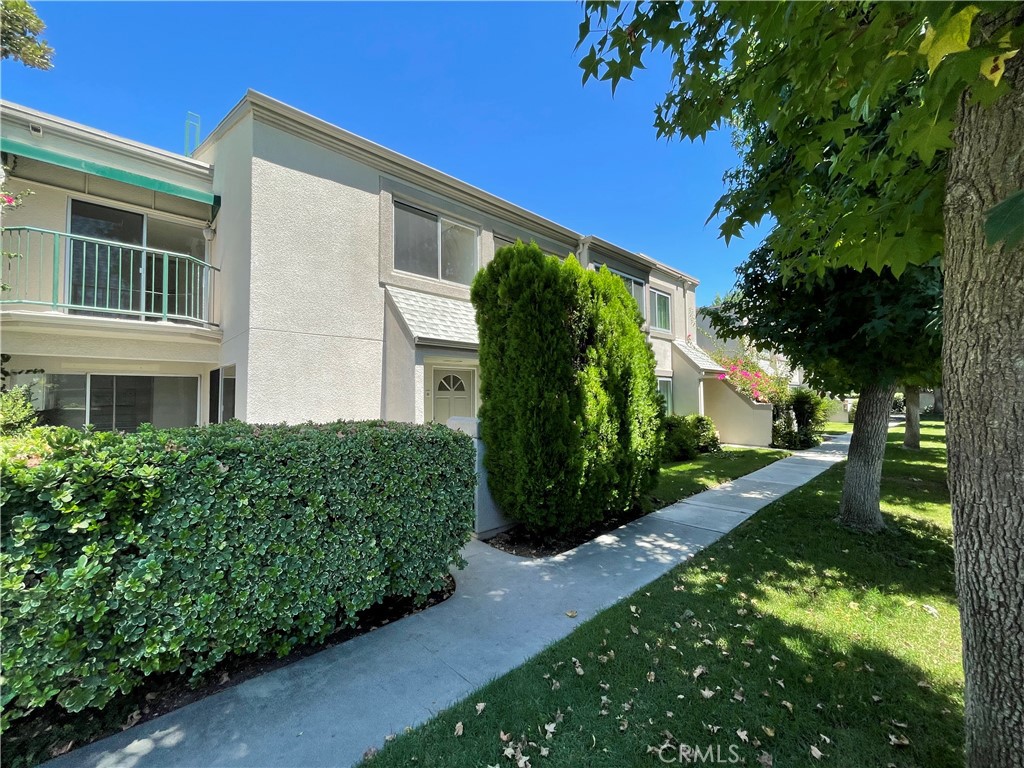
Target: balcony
60, 272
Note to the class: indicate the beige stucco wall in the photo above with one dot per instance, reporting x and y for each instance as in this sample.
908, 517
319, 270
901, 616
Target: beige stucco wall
685, 388
738, 420
46, 208
400, 392
662, 348
230, 251
316, 320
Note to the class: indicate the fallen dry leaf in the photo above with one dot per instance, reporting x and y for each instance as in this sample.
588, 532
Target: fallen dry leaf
899, 741
549, 730
769, 732
765, 760
707, 693
742, 735
699, 671
62, 749
480, 707
572, 614
738, 694
816, 753
504, 736
787, 705
825, 738
931, 610
458, 728
634, 630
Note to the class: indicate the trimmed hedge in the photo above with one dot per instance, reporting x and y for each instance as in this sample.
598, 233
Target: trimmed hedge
126, 555
570, 411
811, 413
688, 436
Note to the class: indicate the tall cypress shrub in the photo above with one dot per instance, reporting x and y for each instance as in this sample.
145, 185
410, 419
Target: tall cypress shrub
569, 408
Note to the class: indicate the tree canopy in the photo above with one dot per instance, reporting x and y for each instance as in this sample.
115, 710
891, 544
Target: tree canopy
20, 28
852, 91
914, 110
847, 329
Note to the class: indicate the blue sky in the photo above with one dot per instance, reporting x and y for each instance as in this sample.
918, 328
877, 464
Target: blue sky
487, 92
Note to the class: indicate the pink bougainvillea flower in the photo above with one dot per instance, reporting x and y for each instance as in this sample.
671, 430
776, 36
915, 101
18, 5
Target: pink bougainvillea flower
745, 374
756, 393
732, 367
8, 199
722, 377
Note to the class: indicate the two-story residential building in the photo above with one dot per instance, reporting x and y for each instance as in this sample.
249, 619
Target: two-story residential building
288, 271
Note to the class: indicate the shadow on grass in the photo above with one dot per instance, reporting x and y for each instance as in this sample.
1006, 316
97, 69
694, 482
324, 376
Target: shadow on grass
709, 627
789, 630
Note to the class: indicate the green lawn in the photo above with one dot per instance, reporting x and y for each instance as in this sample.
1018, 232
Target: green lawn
677, 481
788, 636
838, 428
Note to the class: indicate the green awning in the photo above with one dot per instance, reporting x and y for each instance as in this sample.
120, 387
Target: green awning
105, 171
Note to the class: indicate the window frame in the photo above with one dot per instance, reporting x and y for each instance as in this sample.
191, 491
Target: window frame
653, 294
439, 219
669, 404
146, 214
644, 285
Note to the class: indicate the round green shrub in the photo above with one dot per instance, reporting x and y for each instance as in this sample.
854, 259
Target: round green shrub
570, 412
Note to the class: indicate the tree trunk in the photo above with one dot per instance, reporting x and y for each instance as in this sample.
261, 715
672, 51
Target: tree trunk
912, 425
983, 378
938, 408
859, 508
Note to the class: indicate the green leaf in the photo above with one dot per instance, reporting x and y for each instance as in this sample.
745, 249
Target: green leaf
929, 139
1005, 221
949, 37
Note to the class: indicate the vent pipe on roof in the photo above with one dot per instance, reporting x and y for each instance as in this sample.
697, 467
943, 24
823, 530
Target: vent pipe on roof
191, 133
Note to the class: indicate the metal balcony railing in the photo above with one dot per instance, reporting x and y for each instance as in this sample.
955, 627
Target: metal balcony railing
88, 276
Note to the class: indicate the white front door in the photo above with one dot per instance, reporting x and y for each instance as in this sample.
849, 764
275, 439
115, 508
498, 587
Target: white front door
453, 394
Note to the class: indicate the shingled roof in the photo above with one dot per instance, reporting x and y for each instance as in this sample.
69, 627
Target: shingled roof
435, 319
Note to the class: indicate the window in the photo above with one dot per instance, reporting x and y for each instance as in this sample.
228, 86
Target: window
661, 315
124, 402
665, 390
108, 277
634, 285
115, 402
434, 246
222, 394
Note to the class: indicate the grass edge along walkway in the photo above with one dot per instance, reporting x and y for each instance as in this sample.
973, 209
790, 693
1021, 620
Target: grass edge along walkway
788, 642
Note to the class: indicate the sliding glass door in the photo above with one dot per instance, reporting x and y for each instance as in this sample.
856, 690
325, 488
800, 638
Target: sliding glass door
122, 403
129, 265
106, 278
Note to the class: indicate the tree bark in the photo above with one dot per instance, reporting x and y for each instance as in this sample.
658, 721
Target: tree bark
912, 424
939, 407
983, 378
859, 508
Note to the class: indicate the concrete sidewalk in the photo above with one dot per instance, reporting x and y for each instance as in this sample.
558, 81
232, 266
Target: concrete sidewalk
327, 709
